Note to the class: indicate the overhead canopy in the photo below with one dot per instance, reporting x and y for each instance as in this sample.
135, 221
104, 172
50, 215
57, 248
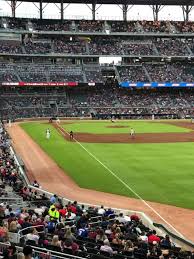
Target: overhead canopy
122, 2
156, 5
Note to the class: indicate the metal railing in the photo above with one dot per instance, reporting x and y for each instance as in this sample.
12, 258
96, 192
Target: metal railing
39, 252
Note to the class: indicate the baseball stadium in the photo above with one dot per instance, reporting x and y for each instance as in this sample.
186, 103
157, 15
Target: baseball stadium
97, 129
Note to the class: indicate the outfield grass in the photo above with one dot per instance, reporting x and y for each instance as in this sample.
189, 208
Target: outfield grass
102, 127
158, 172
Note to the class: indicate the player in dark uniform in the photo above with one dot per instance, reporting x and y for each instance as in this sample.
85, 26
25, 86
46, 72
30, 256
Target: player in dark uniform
71, 135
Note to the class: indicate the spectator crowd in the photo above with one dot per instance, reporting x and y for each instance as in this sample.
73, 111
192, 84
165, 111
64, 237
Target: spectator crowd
141, 72
97, 101
99, 45
144, 26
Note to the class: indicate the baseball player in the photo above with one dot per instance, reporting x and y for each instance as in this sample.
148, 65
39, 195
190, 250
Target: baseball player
71, 135
58, 120
132, 133
112, 119
48, 134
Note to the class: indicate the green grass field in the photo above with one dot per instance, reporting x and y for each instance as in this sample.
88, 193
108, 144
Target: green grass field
157, 172
99, 127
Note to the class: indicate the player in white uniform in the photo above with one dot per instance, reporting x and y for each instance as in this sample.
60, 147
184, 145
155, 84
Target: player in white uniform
48, 134
132, 133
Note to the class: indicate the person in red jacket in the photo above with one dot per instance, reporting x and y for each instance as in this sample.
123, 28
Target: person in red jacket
153, 237
63, 212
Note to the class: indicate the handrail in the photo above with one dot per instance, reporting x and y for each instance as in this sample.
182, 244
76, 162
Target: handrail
31, 227
40, 250
185, 241
10, 198
20, 235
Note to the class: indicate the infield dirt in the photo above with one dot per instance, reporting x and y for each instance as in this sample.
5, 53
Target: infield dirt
138, 138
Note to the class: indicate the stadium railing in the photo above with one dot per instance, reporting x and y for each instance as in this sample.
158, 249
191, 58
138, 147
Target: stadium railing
11, 201
172, 235
39, 252
17, 237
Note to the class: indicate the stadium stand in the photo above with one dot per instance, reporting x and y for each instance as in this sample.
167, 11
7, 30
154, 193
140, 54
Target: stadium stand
99, 45
97, 101
166, 27
73, 60
56, 73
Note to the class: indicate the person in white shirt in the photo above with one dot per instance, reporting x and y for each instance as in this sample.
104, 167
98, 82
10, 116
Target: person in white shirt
101, 211
122, 219
71, 215
39, 210
143, 237
36, 184
33, 236
106, 247
48, 134
7, 211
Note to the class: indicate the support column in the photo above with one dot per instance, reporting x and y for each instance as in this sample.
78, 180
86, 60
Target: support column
125, 10
93, 11
155, 12
62, 10
41, 10
186, 11
13, 8
156, 9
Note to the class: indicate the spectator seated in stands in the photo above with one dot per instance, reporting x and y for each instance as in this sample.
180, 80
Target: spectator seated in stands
33, 236
35, 184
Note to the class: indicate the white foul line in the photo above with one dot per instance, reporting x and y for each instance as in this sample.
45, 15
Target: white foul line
121, 181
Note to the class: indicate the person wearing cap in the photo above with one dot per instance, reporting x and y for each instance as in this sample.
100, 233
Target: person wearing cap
153, 237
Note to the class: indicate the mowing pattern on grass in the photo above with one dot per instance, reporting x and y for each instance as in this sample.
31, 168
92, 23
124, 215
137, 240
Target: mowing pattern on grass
157, 172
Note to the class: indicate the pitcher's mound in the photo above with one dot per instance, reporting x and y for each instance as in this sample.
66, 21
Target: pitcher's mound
117, 127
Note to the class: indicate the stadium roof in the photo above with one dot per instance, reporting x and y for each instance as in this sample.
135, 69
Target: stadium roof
121, 2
